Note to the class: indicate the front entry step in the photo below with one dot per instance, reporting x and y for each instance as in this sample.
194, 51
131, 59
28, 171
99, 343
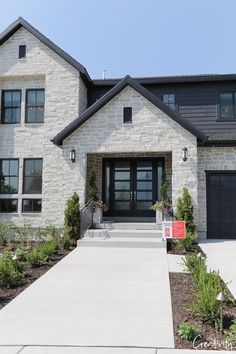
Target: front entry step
128, 226
123, 233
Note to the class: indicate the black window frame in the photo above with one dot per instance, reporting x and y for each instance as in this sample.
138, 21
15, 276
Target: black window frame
24, 176
22, 51
7, 211
229, 119
34, 106
3, 107
9, 176
127, 115
31, 200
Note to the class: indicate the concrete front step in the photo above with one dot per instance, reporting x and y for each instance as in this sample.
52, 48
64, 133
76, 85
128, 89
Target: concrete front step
125, 233
128, 226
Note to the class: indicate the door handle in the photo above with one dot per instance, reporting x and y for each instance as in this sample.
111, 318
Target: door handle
131, 196
135, 195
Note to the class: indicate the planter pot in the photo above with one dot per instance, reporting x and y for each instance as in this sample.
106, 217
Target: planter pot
158, 216
97, 215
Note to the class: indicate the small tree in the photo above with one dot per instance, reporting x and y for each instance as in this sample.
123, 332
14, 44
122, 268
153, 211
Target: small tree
72, 216
93, 189
184, 210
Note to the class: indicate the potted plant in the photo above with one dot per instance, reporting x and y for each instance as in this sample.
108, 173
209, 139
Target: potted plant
99, 206
163, 207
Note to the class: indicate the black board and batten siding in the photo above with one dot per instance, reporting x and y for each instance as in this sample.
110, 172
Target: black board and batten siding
197, 102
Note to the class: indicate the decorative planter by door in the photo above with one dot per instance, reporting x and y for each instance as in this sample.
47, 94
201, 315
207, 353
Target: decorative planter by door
97, 215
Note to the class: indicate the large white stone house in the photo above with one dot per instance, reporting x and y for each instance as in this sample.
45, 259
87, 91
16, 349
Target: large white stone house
126, 130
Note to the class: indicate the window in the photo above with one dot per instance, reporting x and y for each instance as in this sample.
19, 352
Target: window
34, 106
31, 205
228, 105
169, 100
22, 51
127, 115
8, 205
9, 173
32, 183
11, 104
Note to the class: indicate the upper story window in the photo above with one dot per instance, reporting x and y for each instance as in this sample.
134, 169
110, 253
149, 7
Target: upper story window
9, 174
35, 106
11, 106
127, 115
169, 100
22, 51
228, 105
32, 183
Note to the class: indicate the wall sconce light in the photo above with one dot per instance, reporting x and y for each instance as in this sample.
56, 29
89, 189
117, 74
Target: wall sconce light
185, 154
72, 155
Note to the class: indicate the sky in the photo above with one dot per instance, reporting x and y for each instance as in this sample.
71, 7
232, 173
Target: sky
136, 37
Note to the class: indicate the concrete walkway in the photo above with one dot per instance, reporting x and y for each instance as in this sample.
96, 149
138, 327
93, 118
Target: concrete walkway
111, 293
221, 255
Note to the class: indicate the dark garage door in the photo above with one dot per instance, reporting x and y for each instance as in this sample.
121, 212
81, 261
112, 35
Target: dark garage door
221, 205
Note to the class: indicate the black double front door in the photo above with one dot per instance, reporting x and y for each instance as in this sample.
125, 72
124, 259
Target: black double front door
131, 186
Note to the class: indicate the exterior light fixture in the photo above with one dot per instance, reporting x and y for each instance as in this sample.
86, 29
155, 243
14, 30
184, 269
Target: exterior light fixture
185, 154
221, 298
72, 155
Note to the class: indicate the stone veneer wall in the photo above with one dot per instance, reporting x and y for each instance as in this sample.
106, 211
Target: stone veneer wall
151, 131
94, 163
211, 159
65, 98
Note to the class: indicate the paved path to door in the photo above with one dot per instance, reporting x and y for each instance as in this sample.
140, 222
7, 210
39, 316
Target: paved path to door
111, 292
221, 255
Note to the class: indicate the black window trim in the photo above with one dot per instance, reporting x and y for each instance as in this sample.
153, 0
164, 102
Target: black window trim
22, 46
26, 105
15, 159
30, 212
219, 119
130, 121
167, 94
3, 106
23, 179
10, 212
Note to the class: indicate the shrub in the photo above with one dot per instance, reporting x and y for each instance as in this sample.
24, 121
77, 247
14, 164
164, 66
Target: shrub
188, 331
24, 234
36, 257
5, 228
231, 333
52, 232
49, 248
11, 271
207, 286
92, 193
72, 216
187, 242
67, 242
184, 210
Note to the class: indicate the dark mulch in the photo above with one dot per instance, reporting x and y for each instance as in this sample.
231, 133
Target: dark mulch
31, 275
173, 249
182, 293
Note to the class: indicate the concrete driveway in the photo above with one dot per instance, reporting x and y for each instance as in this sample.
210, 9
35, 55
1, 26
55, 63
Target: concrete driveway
221, 255
111, 293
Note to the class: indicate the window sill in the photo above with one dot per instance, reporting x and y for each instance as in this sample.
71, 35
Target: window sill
6, 213
31, 214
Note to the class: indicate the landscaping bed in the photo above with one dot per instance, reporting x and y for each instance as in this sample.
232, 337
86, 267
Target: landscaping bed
31, 274
172, 248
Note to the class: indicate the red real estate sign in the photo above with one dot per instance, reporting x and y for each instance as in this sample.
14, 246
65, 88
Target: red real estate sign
173, 229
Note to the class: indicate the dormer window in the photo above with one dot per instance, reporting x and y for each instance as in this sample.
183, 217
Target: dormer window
22, 51
228, 105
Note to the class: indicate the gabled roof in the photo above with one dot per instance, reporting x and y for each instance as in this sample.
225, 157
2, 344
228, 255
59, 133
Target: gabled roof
20, 22
127, 81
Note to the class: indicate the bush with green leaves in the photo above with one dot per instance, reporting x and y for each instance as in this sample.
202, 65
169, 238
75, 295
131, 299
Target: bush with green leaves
66, 241
5, 230
52, 232
230, 334
72, 216
37, 257
93, 189
207, 285
49, 248
184, 210
187, 242
11, 271
188, 331
25, 233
